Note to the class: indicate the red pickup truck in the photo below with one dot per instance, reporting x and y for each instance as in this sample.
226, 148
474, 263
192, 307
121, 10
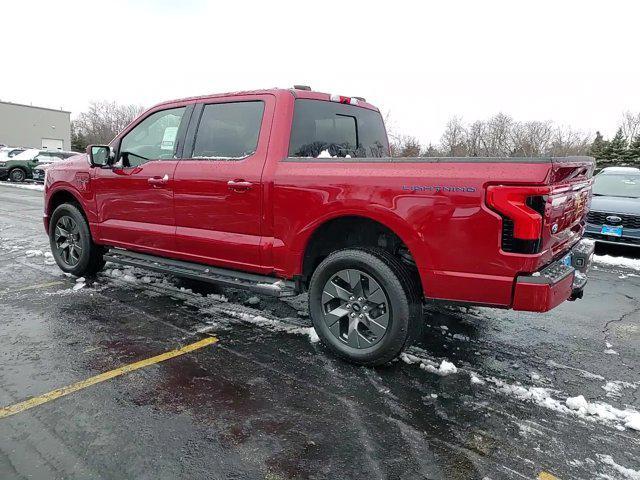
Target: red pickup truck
286, 191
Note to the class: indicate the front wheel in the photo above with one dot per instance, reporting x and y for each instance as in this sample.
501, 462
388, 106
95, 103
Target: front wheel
17, 175
71, 243
365, 305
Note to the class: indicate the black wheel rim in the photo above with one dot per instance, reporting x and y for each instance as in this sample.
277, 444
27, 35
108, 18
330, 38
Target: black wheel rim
68, 241
355, 308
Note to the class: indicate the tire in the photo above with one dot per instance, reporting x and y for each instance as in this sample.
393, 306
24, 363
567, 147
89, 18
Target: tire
379, 332
17, 175
81, 257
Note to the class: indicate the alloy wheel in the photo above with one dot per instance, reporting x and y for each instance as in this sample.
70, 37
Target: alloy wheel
355, 308
68, 241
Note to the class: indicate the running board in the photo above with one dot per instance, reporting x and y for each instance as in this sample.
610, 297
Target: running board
229, 278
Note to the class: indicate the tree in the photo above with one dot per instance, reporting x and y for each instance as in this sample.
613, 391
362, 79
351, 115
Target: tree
431, 151
453, 140
405, 146
634, 149
101, 123
597, 146
78, 139
616, 149
630, 125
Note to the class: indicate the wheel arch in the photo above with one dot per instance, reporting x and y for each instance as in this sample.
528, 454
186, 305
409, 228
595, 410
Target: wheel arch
64, 195
362, 230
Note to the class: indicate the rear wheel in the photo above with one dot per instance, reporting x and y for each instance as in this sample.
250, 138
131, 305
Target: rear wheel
71, 243
17, 175
365, 305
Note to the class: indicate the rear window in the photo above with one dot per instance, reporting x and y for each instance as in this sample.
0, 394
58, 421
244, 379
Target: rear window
323, 129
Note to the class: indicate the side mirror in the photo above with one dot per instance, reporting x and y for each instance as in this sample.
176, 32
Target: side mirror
99, 155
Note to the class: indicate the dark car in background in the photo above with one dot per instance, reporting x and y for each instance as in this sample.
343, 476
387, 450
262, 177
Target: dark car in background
20, 167
45, 162
615, 207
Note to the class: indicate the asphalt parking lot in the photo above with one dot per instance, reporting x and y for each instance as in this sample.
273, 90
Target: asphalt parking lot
262, 399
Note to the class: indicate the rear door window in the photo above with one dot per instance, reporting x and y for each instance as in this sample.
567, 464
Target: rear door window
228, 131
329, 129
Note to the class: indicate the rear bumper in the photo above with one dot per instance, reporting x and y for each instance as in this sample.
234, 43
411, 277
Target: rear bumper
562, 280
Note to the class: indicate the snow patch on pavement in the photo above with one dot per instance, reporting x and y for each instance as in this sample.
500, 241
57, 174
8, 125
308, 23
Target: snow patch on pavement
578, 405
626, 473
445, 368
272, 324
614, 388
414, 356
205, 306
624, 262
24, 186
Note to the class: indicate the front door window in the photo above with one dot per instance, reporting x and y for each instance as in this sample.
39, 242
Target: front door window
154, 138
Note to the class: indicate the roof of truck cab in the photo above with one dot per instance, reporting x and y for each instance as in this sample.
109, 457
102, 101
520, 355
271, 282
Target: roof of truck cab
308, 94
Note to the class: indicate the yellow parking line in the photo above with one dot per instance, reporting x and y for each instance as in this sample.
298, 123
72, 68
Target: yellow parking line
61, 392
547, 476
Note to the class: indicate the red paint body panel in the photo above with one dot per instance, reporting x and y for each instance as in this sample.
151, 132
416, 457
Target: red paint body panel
536, 297
452, 234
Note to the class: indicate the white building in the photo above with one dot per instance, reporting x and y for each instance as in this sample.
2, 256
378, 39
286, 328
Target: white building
35, 127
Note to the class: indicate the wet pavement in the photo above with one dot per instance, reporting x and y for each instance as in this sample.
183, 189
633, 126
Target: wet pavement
267, 401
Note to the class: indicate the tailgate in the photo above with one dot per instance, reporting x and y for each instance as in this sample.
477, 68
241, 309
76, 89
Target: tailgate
567, 204
547, 217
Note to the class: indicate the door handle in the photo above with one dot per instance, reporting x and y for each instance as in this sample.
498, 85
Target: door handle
239, 185
158, 181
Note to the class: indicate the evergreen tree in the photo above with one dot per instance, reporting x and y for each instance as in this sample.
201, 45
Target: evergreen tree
634, 149
597, 147
617, 148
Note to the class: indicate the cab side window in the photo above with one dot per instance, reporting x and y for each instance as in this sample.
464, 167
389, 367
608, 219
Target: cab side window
154, 138
228, 131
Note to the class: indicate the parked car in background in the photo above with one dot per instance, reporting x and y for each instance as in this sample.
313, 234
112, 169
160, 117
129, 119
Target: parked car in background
10, 152
20, 167
615, 207
38, 172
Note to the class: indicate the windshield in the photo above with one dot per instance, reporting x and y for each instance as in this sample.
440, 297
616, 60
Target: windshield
329, 129
27, 154
617, 185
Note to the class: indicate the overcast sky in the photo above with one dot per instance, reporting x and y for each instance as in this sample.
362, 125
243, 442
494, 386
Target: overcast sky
574, 62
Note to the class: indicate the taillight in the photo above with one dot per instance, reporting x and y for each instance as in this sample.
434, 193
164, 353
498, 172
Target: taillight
522, 210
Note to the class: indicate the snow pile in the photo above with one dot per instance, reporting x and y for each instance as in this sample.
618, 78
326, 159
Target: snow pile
80, 283
445, 368
578, 403
573, 405
604, 411
624, 262
475, 380
34, 253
